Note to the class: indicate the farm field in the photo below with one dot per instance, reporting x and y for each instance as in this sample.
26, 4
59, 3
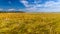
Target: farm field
29, 23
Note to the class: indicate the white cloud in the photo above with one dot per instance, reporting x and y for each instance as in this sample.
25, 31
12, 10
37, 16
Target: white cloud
1, 9
30, 7
11, 9
48, 6
25, 3
52, 6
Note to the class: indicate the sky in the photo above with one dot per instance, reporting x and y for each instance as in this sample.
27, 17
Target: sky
30, 5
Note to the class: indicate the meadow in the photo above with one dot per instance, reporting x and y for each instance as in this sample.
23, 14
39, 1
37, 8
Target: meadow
29, 23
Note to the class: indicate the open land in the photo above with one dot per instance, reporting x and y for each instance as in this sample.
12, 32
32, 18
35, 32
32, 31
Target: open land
29, 23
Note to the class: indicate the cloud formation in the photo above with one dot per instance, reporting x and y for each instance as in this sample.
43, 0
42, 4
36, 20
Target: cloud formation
12, 9
52, 6
30, 7
1, 9
25, 3
47, 6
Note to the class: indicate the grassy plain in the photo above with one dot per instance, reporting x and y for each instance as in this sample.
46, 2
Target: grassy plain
29, 23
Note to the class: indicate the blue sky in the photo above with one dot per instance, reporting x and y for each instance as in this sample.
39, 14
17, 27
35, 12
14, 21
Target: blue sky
30, 5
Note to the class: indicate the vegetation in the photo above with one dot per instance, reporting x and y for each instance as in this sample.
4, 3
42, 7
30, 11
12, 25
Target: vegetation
29, 23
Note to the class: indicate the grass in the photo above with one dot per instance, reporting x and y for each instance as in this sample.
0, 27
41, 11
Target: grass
29, 23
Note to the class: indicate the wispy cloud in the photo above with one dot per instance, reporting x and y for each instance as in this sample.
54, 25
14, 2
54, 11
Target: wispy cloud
52, 6
12, 9
1, 9
47, 6
25, 3
35, 3
31, 7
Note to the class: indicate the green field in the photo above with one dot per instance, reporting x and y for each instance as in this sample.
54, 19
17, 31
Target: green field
29, 23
